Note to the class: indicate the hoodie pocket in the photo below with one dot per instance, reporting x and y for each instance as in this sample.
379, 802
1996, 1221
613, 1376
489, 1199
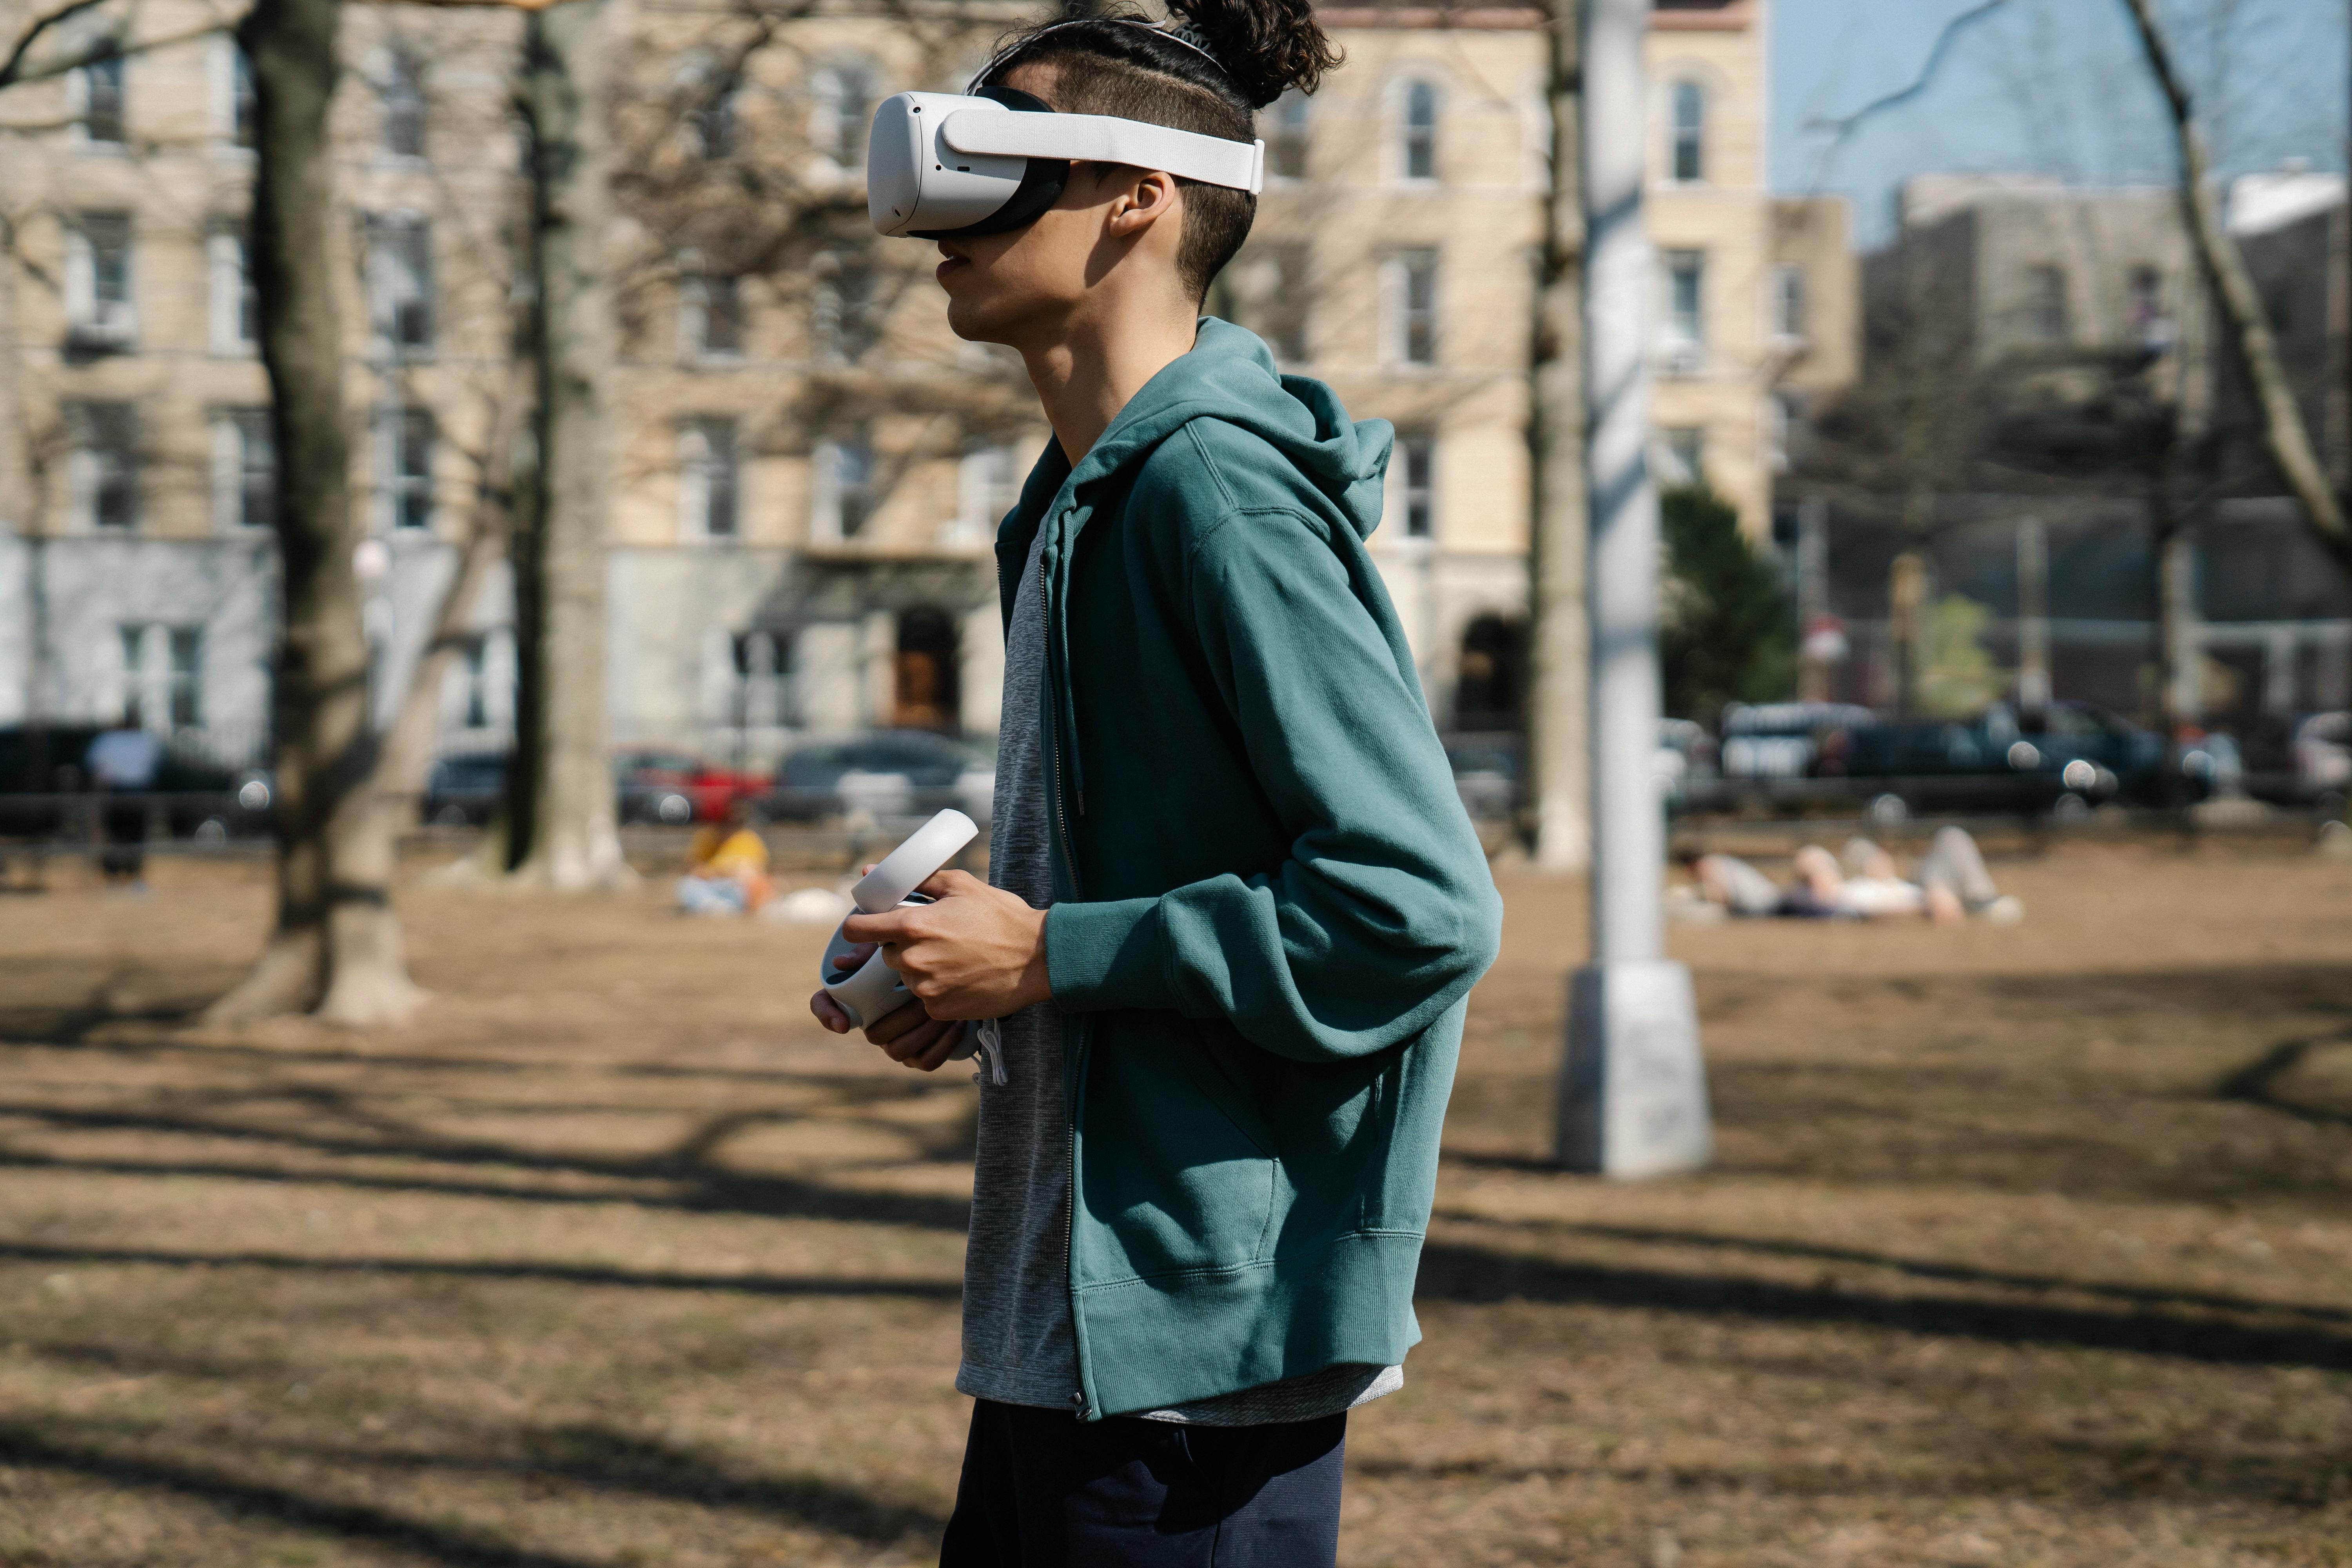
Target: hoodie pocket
1175, 1179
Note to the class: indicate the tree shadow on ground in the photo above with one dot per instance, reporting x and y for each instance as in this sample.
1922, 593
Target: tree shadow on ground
1451, 1271
1920, 1268
587, 1274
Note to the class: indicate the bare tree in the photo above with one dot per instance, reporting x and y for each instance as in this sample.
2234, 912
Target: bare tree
2285, 436
336, 944
1557, 645
560, 826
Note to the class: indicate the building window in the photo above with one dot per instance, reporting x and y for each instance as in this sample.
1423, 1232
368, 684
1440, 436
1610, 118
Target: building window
163, 678
400, 281
99, 314
711, 314
100, 86
1682, 456
233, 304
843, 491
244, 106
1265, 291
1416, 456
102, 463
709, 477
1409, 301
1689, 160
1286, 141
845, 310
843, 113
1789, 302
403, 107
408, 441
1686, 333
1418, 155
245, 469
988, 482
713, 123
2045, 304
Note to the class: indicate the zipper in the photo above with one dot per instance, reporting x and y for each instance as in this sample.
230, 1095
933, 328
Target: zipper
1074, 1072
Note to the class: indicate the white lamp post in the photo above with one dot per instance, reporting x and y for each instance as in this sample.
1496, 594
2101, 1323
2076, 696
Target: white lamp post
1632, 1091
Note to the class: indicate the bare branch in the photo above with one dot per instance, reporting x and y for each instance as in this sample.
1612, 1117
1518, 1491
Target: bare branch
1845, 125
11, 69
2243, 318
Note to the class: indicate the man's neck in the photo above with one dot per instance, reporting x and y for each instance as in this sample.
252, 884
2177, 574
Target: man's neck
1085, 376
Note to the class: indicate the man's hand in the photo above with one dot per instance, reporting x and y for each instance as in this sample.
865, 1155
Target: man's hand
976, 952
910, 1036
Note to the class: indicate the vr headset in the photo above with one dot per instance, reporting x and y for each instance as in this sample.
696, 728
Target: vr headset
943, 166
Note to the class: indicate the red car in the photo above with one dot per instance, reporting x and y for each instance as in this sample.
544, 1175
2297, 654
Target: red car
675, 788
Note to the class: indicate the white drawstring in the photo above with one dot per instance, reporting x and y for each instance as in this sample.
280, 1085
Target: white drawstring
992, 1044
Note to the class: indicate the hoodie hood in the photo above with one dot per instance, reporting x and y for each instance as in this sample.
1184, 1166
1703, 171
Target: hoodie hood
1230, 375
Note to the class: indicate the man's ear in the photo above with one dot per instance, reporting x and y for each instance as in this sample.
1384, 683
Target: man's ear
1150, 195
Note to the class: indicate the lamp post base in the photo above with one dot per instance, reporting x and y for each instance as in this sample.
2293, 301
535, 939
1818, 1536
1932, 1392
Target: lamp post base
1632, 1091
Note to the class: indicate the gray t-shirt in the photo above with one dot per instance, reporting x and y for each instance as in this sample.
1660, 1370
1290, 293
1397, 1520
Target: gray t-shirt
1019, 1347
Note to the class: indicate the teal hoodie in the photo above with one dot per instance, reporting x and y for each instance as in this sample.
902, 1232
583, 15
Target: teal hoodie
1271, 905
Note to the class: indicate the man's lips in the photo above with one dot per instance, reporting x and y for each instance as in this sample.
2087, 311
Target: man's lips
950, 260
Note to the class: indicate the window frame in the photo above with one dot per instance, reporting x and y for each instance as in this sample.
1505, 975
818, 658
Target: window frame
1289, 144
400, 279
1401, 270
410, 441
104, 477
711, 477
1686, 139
1683, 332
1417, 493
1418, 142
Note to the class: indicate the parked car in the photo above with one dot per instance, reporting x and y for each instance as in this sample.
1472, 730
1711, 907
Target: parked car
1486, 767
658, 786
42, 769
463, 789
1782, 740
2322, 752
2063, 757
883, 772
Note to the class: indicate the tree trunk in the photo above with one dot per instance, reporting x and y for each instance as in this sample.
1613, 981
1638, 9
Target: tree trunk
337, 946
2244, 323
559, 827
408, 749
1559, 649
1906, 626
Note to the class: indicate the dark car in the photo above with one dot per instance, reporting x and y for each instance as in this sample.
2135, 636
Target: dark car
654, 786
2063, 757
45, 786
888, 773
463, 789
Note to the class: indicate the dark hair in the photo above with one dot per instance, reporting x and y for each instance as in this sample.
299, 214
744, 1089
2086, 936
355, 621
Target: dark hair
1210, 75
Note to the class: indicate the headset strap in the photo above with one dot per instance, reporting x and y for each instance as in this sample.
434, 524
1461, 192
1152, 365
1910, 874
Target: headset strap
1105, 139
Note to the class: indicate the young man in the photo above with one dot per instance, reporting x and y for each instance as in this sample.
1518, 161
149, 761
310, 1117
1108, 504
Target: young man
1234, 907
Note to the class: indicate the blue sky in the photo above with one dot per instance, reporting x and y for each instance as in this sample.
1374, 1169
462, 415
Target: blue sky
2054, 86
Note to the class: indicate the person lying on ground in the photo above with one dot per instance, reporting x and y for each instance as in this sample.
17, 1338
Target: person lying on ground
726, 867
1951, 884
1234, 906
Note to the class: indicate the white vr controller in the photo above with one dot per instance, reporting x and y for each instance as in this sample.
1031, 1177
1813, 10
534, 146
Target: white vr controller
874, 990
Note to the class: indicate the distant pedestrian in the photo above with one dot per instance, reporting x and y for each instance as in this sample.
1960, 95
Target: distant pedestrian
1234, 907
122, 763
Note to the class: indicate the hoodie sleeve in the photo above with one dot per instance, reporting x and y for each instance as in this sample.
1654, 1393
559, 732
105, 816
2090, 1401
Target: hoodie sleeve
1383, 914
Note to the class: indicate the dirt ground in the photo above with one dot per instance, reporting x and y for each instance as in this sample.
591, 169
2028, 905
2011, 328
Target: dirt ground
2026, 1246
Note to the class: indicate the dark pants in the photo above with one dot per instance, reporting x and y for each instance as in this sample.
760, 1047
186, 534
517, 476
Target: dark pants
1043, 1490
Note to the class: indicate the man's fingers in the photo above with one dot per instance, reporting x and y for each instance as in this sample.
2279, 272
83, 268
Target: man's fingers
935, 1058
948, 883
830, 1013
910, 1047
888, 926
896, 1023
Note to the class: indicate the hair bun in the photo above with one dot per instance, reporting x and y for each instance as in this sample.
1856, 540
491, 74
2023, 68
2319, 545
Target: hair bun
1265, 46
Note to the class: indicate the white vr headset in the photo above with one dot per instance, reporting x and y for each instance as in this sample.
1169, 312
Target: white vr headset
943, 166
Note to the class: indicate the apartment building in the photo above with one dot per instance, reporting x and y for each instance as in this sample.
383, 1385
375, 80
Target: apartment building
808, 467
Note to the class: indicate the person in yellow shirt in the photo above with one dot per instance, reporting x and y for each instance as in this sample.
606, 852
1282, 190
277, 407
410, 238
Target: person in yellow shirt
726, 868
